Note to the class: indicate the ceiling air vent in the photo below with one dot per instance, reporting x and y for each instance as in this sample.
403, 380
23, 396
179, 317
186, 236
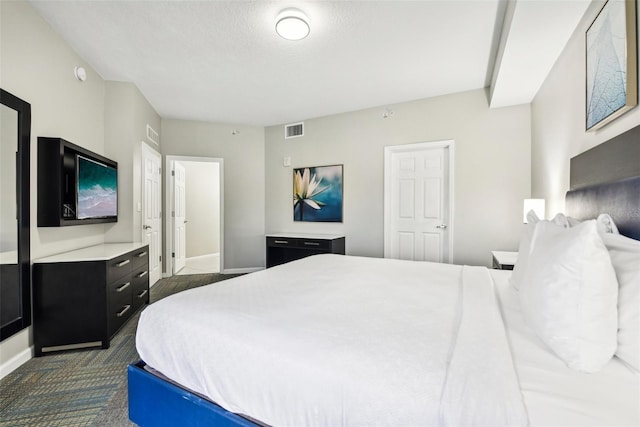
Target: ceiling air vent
152, 135
294, 130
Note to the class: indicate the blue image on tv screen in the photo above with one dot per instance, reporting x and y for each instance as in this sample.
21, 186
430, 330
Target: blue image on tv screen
97, 189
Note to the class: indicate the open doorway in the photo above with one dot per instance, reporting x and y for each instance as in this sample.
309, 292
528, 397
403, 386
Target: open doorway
195, 224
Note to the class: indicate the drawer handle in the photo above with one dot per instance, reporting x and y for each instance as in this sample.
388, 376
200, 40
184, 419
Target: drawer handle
312, 243
123, 287
143, 293
282, 242
141, 254
124, 310
144, 273
123, 263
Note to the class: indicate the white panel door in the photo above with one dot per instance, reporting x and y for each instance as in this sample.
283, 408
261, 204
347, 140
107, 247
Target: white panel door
151, 209
179, 214
417, 210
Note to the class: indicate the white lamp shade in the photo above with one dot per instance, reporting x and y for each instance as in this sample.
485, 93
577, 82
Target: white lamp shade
537, 205
292, 24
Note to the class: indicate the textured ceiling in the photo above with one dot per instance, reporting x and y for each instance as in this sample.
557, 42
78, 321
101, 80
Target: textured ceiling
221, 61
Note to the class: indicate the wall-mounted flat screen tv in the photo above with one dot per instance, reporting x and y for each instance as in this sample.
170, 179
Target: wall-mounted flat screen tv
97, 189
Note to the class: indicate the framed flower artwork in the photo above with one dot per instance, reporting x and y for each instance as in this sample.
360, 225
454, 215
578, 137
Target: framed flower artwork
317, 194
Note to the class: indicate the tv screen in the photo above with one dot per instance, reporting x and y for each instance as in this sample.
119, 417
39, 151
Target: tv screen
97, 195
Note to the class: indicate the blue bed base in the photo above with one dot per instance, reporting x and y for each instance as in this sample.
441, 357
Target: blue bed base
156, 402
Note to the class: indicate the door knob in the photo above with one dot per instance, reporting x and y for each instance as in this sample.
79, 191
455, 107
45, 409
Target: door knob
443, 226
146, 227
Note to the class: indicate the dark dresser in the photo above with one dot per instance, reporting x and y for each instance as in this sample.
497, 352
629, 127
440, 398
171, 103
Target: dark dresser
83, 297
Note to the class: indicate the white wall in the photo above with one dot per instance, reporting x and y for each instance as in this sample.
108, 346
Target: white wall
37, 66
127, 113
118, 135
202, 196
558, 121
244, 171
492, 170
109, 119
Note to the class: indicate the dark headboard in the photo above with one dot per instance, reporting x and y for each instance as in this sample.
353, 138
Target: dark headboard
606, 179
616, 159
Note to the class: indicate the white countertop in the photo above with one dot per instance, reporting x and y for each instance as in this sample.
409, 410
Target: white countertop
93, 253
295, 235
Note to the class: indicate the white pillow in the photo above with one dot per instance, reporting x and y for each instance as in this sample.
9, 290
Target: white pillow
572, 221
604, 221
523, 250
561, 220
606, 224
625, 257
519, 270
569, 294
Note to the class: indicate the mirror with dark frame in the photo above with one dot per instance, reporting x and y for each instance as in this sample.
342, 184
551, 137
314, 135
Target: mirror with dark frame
15, 269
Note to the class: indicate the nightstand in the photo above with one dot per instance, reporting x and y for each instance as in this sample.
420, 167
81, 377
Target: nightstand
504, 260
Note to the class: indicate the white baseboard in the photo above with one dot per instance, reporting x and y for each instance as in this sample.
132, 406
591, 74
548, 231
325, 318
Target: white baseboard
225, 271
241, 270
16, 361
204, 256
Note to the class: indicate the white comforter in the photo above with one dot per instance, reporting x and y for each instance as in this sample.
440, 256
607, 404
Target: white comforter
336, 340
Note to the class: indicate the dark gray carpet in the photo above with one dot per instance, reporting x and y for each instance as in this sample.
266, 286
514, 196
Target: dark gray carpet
82, 388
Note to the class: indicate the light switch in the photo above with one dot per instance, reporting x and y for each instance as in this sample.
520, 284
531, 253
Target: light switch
286, 161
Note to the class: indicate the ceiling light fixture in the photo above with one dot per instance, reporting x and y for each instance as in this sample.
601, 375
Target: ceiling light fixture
292, 24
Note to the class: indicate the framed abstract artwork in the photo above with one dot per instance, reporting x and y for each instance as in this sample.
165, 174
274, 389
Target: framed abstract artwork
317, 194
611, 74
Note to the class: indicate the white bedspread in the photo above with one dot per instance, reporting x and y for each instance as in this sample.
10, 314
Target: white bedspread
335, 340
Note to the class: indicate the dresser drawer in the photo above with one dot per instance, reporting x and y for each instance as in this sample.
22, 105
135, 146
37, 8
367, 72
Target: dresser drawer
140, 298
140, 289
140, 258
118, 267
282, 242
119, 287
120, 303
118, 315
314, 244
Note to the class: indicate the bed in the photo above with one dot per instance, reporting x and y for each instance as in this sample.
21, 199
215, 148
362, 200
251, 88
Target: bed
342, 340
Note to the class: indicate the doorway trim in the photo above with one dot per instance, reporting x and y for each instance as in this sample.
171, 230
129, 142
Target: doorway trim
169, 202
418, 146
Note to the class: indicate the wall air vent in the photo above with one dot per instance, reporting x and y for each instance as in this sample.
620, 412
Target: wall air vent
294, 130
152, 135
